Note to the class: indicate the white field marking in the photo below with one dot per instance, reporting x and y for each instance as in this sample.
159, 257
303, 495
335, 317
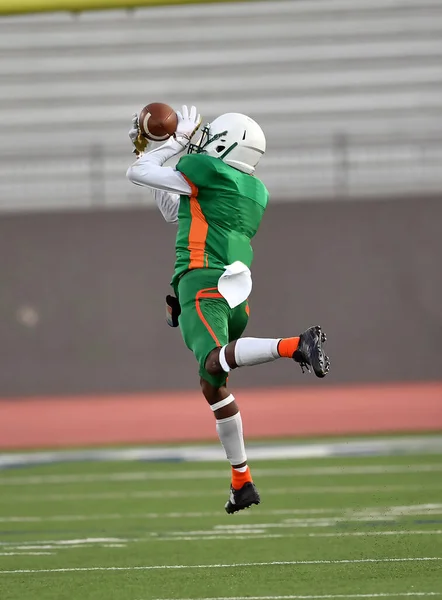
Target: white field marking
378, 595
282, 563
307, 522
83, 541
413, 509
345, 514
25, 553
293, 524
369, 512
185, 538
246, 530
340, 489
213, 535
53, 547
12, 546
374, 533
286, 524
220, 474
256, 535
62, 543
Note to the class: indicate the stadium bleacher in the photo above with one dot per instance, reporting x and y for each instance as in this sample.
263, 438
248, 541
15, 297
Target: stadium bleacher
349, 93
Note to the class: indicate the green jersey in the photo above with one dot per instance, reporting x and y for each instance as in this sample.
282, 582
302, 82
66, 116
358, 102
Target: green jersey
217, 222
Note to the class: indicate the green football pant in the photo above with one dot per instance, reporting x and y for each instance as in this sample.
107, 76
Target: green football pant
206, 320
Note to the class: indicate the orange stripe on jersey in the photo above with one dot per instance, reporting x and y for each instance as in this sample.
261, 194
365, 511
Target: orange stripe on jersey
198, 230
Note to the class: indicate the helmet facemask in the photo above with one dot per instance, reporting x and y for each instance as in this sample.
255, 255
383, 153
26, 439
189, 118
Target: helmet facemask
205, 140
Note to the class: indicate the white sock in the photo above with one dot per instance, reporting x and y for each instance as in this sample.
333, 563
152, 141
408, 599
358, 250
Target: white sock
255, 351
231, 437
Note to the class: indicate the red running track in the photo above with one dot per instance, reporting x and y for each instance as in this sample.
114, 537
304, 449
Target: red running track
184, 416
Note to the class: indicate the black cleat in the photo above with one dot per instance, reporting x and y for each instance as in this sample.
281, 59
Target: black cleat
243, 498
310, 352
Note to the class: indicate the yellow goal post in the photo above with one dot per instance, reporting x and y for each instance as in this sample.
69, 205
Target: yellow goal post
14, 7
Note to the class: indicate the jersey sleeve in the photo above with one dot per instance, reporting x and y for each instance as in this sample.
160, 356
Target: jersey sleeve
199, 169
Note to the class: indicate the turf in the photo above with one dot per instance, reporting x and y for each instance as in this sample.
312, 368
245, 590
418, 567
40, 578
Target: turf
337, 527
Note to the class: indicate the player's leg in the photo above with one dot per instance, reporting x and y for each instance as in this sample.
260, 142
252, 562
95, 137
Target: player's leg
204, 323
305, 349
229, 427
243, 492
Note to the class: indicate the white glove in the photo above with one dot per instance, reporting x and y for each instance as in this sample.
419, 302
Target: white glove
139, 141
187, 125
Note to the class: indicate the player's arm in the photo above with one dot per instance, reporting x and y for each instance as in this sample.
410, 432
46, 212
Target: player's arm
168, 204
166, 183
148, 169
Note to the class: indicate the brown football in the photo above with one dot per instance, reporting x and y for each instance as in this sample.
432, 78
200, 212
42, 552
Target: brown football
157, 121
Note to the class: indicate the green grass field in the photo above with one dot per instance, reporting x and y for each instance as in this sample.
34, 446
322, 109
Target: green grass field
327, 528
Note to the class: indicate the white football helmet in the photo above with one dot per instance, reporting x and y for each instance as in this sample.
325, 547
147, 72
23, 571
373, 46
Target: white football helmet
234, 138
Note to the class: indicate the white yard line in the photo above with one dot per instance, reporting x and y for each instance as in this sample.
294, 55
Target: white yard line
228, 566
51, 544
52, 547
143, 494
374, 533
106, 517
220, 474
346, 514
376, 595
258, 535
265, 534
25, 553
63, 543
243, 534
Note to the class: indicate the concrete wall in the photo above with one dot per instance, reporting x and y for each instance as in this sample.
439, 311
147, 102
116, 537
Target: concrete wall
81, 302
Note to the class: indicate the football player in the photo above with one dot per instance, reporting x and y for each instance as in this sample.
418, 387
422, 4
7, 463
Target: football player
218, 204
